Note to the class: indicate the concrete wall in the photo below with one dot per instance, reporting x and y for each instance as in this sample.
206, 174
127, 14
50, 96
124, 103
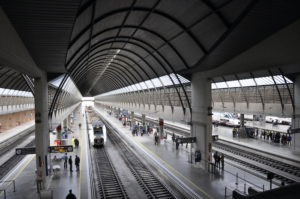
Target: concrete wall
12, 120
255, 108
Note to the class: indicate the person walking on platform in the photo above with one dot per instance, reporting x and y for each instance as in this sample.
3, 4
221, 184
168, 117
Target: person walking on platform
177, 142
181, 141
70, 195
173, 137
155, 138
65, 161
216, 156
77, 161
222, 160
71, 163
76, 142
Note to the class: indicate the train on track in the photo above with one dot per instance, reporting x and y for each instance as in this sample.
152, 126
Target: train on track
225, 119
97, 134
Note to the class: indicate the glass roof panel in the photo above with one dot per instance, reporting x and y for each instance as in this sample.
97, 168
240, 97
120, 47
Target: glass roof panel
247, 82
221, 85
233, 84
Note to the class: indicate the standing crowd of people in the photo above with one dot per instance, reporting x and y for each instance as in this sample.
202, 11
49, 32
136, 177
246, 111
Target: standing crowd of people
70, 161
277, 137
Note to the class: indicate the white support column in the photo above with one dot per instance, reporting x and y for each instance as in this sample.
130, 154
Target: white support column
132, 117
201, 116
143, 119
296, 117
161, 127
242, 119
41, 128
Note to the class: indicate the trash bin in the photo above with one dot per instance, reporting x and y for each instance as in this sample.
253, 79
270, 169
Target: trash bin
197, 156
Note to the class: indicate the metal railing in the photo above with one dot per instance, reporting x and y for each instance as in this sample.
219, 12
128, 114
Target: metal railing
4, 190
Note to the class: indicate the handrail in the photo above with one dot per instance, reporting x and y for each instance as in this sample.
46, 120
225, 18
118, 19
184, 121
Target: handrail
4, 190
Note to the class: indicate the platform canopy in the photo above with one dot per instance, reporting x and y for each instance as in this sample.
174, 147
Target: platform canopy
105, 45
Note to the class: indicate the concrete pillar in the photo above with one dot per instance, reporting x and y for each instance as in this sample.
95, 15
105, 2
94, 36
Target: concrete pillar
296, 116
143, 119
65, 124
201, 125
132, 117
41, 129
242, 119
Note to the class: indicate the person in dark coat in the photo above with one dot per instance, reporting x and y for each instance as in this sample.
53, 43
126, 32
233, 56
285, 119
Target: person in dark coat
76, 141
173, 137
77, 161
65, 161
70, 195
71, 163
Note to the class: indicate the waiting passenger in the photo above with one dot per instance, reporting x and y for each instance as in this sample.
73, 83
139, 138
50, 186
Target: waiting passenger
222, 160
65, 161
173, 137
177, 142
71, 163
76, 142
234, 132
216, 158
156, 138
77, 161
289, 139
70, 195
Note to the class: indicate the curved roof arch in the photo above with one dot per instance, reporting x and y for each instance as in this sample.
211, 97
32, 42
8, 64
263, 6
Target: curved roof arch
162, 37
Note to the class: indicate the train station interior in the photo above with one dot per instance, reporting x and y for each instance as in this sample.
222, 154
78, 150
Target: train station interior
149, 99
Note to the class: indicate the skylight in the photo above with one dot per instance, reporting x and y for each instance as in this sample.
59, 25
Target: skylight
260, 81
12, 92
150, 84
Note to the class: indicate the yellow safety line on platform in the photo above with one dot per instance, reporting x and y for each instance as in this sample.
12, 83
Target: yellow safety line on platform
19, 172
167, 164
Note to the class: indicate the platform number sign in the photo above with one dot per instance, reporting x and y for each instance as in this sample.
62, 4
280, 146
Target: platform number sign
25, 151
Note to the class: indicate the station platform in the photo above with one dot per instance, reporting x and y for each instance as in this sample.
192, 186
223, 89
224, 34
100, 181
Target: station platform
61, 180
260, 144
176, 165
7, 134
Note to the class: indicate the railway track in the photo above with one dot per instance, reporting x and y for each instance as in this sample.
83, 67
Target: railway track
263, 164
107, 179
12, 162
14, 141
152, 187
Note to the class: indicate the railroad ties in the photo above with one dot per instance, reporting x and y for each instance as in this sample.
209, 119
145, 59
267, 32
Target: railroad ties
283, 171
109, 184
152, 187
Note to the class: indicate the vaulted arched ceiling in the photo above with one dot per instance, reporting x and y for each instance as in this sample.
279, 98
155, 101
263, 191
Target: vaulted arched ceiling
108, 44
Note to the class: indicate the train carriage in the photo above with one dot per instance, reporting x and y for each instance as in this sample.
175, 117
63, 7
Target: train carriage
97, 133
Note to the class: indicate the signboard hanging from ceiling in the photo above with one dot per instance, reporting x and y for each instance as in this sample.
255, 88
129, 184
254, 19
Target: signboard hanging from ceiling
60, 149
25, 151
